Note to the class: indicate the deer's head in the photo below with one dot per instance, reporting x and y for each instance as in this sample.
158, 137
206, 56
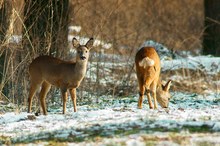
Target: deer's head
82, 50
163, 94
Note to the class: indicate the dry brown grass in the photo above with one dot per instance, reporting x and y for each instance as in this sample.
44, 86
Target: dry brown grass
177, 24
193, 81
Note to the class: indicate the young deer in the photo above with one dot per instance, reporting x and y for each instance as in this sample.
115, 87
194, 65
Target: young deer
46, 71
148, 68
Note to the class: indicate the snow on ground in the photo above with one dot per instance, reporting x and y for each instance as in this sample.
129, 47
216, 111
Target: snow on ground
74, 29
208, 64
187, 113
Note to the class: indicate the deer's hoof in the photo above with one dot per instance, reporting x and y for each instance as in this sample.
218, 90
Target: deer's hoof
139, 107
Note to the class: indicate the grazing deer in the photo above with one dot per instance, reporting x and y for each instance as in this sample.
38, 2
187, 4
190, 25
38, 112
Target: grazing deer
46, 71
148, 69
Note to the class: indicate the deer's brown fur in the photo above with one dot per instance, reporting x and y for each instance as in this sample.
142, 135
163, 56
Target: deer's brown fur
46, 71
148, 69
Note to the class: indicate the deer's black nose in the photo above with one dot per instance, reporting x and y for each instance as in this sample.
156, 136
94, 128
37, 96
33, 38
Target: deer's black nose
82, 57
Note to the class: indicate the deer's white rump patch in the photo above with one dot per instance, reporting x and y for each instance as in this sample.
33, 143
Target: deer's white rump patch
145, 62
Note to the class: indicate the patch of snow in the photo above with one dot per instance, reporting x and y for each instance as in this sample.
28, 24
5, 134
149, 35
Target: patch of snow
15, 39
163, 51
134, 142
212, 140
74, 29
103, 44
208, 64
12, 117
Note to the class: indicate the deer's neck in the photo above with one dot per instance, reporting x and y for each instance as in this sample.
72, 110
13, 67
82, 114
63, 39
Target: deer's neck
81, 67
159, 85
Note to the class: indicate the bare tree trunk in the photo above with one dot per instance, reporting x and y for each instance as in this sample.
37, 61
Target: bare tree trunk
5, 12
211, 41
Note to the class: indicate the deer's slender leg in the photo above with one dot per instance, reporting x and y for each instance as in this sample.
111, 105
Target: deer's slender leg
45, 89
65, 97
141, 94
33, 88
149, 99
154, 88
73, 96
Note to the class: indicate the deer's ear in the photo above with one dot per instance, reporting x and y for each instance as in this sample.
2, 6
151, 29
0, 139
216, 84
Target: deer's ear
75, 43
167, 86
90, 42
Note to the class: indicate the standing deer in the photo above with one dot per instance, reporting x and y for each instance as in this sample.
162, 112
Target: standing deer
148, 69
46, 71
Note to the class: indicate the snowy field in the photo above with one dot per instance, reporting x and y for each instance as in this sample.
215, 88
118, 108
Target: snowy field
191, 119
